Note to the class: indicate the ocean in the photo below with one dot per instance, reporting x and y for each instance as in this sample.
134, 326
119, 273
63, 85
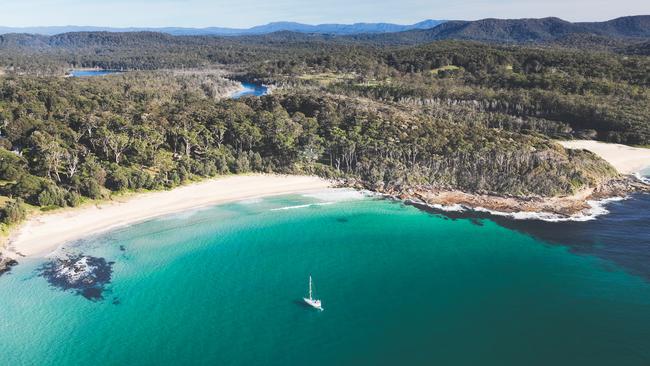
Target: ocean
399, 286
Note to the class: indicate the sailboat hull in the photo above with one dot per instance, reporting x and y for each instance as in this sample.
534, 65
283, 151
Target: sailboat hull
314, 303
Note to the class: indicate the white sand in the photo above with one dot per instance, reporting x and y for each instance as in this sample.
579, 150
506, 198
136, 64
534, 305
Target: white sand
626, 159
42, 234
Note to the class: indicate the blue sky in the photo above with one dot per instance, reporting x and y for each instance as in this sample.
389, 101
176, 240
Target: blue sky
246, 13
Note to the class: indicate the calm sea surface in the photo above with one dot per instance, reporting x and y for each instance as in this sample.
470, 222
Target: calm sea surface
400, 286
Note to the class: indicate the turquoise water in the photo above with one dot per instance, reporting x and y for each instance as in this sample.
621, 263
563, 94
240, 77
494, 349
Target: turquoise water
223, 286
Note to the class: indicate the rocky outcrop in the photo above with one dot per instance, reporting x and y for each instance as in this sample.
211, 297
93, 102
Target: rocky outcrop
579, 203
6, 263
85, 275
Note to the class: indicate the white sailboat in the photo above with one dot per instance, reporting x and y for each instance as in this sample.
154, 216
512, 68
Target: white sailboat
315, 303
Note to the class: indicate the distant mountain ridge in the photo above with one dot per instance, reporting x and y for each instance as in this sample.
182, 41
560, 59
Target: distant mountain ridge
627, 34
338, 29
519, 30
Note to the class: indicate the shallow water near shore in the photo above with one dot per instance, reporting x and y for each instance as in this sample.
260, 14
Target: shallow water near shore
223, 285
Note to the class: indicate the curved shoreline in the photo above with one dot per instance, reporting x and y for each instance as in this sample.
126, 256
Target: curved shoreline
626, 159
42, 234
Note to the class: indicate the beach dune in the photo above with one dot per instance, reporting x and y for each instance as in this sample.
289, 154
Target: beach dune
626, 159
42, 234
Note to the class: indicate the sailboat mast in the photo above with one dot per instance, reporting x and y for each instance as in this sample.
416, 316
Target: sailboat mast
309, 287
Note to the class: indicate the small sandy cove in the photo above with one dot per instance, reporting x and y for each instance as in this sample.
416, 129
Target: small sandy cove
626, 159
42, 234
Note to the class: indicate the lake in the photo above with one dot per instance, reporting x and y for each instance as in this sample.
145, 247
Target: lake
250, 89
90, 73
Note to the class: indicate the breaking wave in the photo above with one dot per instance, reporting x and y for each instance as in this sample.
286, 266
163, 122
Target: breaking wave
302, 206
597, 208
338, 195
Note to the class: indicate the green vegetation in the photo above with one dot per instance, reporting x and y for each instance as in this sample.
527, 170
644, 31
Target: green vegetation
448, 114
447, 68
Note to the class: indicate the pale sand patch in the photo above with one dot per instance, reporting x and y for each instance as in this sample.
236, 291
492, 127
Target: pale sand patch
626, 159
43, 234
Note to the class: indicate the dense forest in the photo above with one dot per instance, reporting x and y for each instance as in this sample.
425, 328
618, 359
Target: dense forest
449, 114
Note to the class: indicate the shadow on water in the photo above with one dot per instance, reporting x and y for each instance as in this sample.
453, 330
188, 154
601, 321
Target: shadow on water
622, 236
302, 304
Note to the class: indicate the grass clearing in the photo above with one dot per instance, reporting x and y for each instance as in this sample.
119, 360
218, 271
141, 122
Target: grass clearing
445, 68
326, 78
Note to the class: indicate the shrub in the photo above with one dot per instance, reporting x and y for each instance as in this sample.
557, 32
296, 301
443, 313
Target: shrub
90, 188
140, 179
256, 162
242, 164
13, 212
27, 187
52, 196
117, 179
73, 199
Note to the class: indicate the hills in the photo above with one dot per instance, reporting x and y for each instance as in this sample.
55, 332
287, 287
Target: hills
340, 29
519, 31
542, 30
627, 33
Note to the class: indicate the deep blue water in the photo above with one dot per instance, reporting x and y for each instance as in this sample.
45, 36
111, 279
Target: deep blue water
621, 237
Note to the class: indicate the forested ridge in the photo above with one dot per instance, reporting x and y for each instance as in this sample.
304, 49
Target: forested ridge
446, 115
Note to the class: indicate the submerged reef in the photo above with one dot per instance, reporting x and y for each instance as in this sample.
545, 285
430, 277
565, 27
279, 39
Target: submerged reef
85, 275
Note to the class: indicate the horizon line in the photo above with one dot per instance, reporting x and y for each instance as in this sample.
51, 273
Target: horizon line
308, 24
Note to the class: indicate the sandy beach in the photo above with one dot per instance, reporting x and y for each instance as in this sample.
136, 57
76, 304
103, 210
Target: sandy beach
626, 159
42, 234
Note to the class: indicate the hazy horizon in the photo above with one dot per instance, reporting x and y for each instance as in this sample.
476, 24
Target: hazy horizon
227, 14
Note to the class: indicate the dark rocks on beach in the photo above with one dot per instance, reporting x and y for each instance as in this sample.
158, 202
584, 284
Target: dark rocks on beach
6, 264
85, 275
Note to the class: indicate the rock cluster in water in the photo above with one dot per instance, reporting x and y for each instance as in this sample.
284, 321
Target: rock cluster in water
85, 275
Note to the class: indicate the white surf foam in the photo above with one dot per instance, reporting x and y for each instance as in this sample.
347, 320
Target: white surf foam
302, 206
597, 208
338, 195
642, 178
251, 201
447, 208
